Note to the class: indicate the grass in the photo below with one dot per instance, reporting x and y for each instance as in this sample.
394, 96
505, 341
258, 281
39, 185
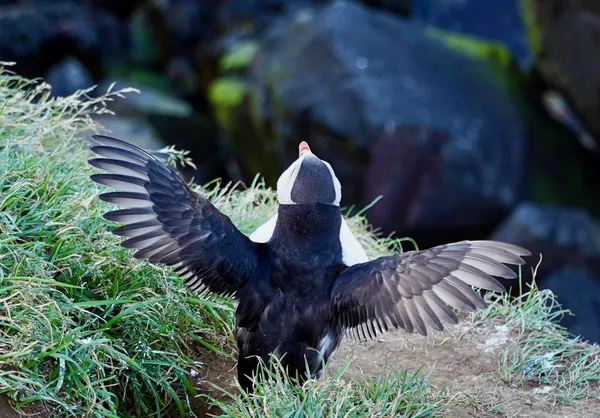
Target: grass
543, 352
396, 393
91, 332
84, 327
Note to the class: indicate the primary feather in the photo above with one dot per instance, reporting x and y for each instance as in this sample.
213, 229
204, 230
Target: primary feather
167, 222
418, 288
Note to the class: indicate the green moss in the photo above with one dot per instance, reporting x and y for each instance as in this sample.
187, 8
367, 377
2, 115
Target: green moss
227, 91
534, 33
473, 47
145, 45
240, 55
225, 94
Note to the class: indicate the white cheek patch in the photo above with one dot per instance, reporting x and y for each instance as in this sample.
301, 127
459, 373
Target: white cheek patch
352, 251
336, 184
264, 232
286, 182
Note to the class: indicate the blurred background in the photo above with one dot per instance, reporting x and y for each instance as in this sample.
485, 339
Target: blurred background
472, 118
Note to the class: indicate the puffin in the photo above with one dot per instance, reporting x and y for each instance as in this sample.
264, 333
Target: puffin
301, 282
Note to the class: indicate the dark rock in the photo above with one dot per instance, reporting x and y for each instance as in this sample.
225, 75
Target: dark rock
185, 34
495, 20
68, 76
137, 131
561, 235
119, 8
569, 242
146, 101
175, 122
566, 39
189, 23
250, 17
578, 291
397, 7
193, 34
436, 132
37, 36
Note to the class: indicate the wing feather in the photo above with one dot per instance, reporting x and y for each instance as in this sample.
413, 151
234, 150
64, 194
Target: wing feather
168, 223
418, 289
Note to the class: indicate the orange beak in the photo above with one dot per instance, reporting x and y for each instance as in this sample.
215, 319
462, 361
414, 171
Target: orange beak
303, 148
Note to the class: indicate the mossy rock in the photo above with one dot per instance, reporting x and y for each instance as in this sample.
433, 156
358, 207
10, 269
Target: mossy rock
534, 32
474, 47
225, 94
240, 55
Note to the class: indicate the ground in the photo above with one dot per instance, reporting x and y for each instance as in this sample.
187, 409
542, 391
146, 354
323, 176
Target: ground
465, 358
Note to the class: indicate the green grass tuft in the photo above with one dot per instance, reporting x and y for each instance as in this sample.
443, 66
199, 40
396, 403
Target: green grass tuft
84, 326
396, 393
543, 352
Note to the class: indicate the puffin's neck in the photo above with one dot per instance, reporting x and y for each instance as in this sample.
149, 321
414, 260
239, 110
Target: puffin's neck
316, 226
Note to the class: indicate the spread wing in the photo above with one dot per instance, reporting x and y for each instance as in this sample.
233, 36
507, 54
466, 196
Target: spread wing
168, 223
416, 289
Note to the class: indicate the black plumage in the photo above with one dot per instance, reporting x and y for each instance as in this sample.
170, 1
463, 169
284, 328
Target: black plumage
297, 294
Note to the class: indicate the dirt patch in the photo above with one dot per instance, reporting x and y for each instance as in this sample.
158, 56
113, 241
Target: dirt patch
211, 369
466, 360
34, 409
6, 411
219, 371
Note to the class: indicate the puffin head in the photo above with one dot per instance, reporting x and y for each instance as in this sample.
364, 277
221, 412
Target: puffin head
308, 180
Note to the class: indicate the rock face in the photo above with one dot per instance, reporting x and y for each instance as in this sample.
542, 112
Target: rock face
494, 20
161, 117
567, 283
390, 117
92, 35
562, 235
569, 241
68, 76
566, 38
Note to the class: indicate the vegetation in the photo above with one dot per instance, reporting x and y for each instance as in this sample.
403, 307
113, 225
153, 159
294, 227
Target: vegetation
84, 326
399, 393
482, 49
91, 332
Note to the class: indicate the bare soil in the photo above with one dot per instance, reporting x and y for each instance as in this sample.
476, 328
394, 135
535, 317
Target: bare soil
464, 359
216, 370
5, 410
34, 410
467, 361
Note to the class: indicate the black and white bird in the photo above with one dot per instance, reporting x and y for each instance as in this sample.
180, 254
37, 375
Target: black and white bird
301, 281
